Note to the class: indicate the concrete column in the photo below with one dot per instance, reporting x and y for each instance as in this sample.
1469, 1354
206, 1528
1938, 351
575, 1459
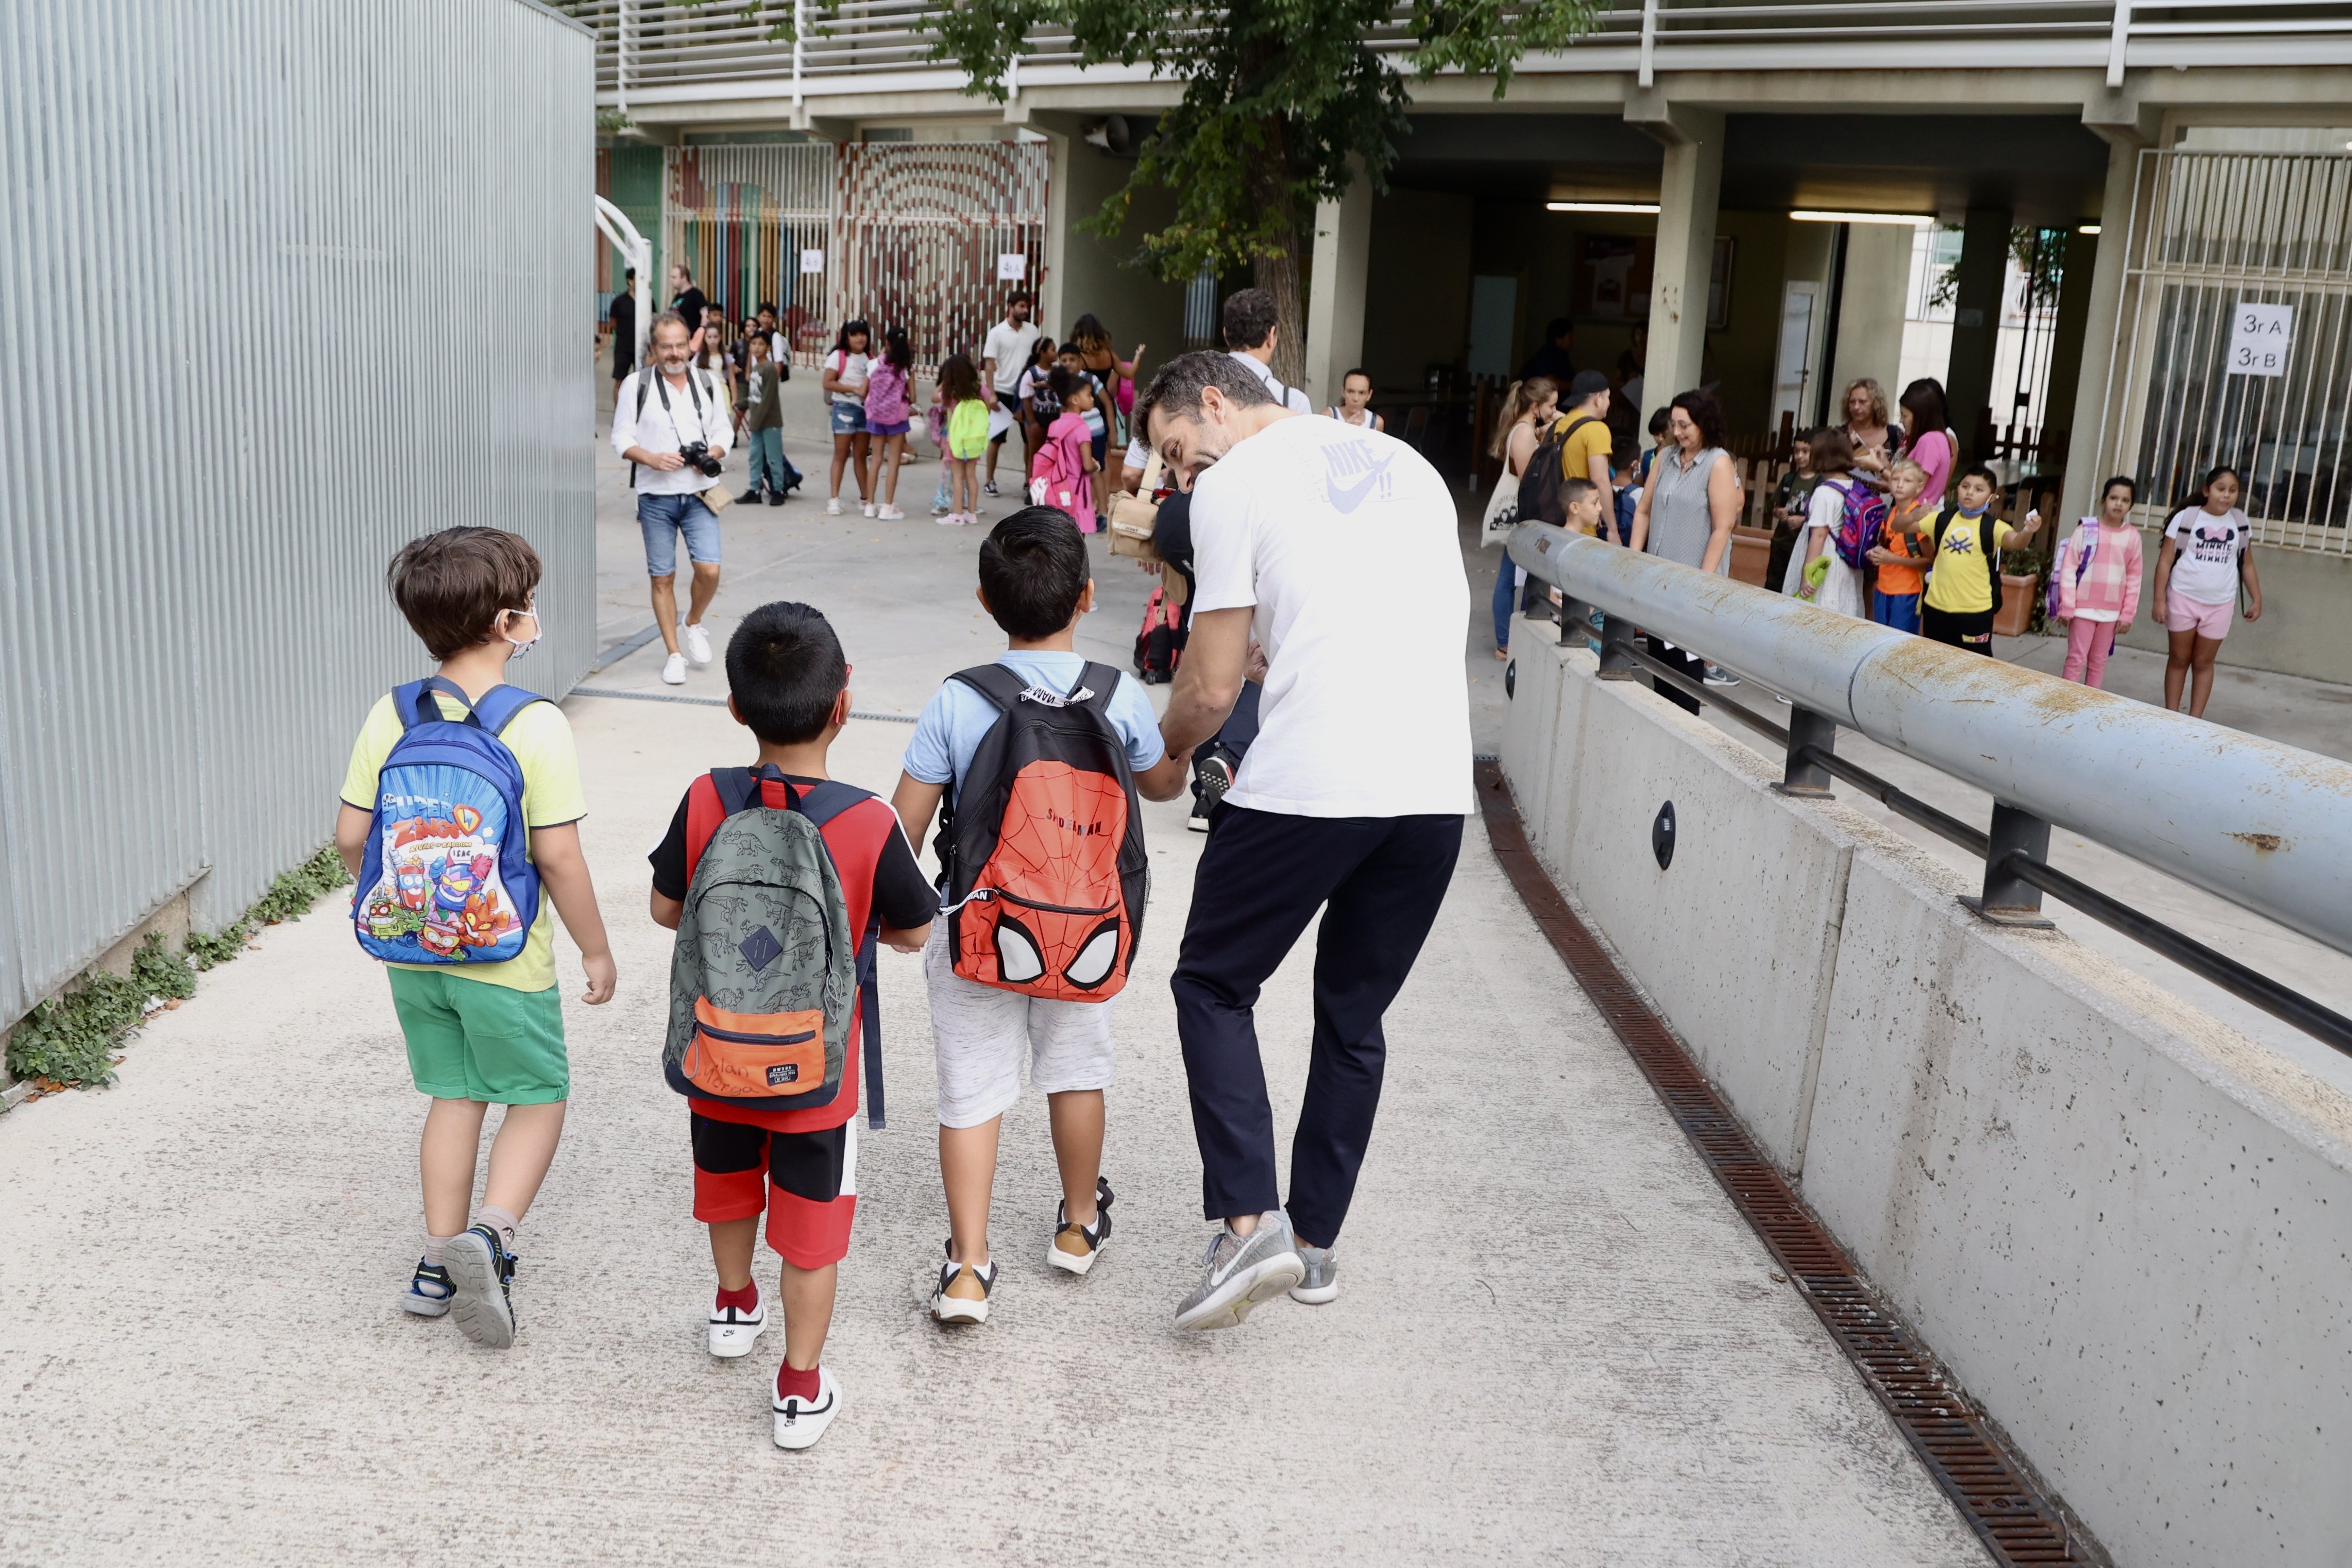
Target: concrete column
1334, 290
1976, 324
1871, 309
2089, 443
1689, 185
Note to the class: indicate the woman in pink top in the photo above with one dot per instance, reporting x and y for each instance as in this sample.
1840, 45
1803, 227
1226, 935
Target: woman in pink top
888, 413
2097, 573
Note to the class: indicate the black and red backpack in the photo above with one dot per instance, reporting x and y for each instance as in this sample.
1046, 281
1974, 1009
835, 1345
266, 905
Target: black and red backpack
1047, 874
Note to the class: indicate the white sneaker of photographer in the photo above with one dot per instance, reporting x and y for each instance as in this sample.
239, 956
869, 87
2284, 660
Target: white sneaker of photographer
674, 670
698, 645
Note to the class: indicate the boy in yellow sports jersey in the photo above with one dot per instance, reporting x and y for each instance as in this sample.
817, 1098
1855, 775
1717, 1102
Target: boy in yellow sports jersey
1962, 556
484, 1033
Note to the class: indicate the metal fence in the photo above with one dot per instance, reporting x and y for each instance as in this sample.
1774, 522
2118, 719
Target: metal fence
292, 281
914, 234
2252, 820
2237, 338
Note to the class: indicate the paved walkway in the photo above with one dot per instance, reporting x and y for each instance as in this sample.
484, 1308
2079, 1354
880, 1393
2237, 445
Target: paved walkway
1557, 1343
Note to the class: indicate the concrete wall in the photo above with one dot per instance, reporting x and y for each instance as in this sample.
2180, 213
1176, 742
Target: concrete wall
2127, 1229
1094, 274
1870, 317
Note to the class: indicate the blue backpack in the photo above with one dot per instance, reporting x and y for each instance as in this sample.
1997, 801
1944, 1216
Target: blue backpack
447, 878
1862, 527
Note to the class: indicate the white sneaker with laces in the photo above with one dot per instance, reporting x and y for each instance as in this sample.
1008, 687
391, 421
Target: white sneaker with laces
891, 514
869, 508
833, 507
698, 645
674, 670
801, 1422
733, 1330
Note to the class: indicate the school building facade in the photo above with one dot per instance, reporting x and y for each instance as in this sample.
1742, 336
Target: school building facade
2120, 233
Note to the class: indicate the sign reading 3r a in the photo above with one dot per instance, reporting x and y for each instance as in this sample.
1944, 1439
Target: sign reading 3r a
2259, 336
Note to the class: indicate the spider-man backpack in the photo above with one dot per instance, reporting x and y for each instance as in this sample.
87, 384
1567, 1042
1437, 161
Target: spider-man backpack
1045, 866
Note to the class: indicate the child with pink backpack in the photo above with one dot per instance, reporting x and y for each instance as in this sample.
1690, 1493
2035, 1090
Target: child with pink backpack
2094, 583
1061, 475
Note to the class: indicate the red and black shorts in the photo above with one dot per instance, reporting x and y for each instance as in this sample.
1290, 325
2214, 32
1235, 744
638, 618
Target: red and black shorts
807, 1183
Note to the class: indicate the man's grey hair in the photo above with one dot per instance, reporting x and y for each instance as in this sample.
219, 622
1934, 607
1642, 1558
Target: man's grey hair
1180, 381
668, 319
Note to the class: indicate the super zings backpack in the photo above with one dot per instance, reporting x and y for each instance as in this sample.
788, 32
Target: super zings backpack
1046, 875
766, 970
447, 877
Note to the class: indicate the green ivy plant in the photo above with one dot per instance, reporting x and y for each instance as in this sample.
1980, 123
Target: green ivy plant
70, 1040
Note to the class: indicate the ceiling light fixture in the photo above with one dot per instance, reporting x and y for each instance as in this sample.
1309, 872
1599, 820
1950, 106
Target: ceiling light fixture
1909, 220
2089, 229
1650, 207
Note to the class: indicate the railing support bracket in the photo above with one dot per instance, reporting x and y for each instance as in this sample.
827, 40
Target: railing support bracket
2009, 899
1801, 775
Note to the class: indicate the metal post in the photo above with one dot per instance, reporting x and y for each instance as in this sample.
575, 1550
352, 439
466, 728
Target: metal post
1802, 776
1616, 648
2006, 901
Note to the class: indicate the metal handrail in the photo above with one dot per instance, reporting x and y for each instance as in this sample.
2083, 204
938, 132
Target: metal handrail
2267, 826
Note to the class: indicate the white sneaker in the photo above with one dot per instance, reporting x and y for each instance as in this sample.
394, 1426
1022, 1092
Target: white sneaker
833, 507
891, 514
949, 1306
733, 1330
800, 1423
952, 520
674, 670
869, 508
698, 645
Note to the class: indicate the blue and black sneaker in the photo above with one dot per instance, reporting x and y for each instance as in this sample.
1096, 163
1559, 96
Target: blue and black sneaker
482, 1268
429, 1291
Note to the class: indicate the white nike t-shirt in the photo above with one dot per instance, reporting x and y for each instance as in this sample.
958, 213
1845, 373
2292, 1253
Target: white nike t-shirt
1343, 541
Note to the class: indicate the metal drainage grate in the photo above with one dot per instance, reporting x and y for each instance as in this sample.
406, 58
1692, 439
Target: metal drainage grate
2017, 1522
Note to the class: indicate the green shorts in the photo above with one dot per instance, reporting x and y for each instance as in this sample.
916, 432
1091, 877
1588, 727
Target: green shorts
468, 1040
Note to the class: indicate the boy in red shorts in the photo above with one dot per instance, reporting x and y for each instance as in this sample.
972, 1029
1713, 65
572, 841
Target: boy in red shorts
790, 685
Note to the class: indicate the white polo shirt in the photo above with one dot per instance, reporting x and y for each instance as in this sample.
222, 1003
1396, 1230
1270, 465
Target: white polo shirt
667, 430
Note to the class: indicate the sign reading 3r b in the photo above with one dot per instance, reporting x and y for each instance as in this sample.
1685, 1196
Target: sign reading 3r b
2259, 336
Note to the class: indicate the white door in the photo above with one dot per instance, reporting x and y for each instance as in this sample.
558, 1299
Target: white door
1793, 372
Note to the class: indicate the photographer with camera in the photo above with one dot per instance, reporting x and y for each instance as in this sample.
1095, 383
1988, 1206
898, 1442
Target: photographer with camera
670, 424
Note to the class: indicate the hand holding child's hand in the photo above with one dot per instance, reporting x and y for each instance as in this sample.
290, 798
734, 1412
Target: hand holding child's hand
601, 978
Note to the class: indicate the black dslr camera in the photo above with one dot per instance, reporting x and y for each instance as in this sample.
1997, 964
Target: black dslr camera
698, 457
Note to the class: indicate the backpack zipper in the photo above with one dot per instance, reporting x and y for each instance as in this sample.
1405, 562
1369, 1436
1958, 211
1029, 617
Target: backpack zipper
1033, 903
732, 1036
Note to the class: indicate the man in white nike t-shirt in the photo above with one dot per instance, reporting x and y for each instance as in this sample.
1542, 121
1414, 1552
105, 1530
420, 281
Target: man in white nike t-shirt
1300, 525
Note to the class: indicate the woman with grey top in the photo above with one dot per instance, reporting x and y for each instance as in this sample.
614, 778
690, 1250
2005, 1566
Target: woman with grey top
1686, 513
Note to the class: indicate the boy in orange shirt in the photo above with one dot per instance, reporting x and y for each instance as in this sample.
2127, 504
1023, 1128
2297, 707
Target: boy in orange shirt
1901, 581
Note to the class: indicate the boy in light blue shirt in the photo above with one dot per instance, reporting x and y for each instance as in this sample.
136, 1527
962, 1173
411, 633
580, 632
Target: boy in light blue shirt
1036, 581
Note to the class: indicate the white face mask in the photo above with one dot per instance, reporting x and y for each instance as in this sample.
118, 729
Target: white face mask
524, 645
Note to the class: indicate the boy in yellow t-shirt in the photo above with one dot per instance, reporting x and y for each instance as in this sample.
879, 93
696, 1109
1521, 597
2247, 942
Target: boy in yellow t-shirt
1958, 607
491, 1032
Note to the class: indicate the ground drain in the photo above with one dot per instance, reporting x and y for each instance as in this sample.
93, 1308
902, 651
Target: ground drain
2018, 1523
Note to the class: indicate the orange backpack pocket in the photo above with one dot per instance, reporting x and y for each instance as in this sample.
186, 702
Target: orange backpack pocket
755, 1055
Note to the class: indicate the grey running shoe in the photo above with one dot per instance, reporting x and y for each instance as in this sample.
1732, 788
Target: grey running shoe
1321, 1288
1240, 1271
482, 1270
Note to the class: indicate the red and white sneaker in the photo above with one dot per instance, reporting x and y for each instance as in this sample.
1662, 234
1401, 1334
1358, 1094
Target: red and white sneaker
734, 1331
800, 1421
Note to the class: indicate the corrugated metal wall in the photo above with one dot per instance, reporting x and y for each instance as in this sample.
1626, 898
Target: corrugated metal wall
288, 282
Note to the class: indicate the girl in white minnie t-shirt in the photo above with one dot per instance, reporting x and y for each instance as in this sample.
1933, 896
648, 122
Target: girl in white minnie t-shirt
2205, 556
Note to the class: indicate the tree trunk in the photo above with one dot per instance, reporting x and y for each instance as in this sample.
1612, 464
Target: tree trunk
1278, 273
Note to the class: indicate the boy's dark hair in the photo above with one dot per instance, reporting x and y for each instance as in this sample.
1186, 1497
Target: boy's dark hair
1249, 315
1358, 371
1661, 419
1572, 490
785, 671
451, 585
1978, 471
1034, 568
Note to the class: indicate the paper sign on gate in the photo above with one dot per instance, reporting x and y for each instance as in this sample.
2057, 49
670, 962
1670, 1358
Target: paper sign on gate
2259, 336
812, 261
1011, 267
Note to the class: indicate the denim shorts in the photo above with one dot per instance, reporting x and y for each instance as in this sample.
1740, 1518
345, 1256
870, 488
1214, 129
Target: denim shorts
848, 418
661, 518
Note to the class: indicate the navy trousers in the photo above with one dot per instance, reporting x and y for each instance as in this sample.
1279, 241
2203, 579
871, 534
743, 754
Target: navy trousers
1379, 880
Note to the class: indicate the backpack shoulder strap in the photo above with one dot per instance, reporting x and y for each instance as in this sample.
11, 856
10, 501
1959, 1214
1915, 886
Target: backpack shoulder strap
500, 704
1098, 682
1944, 520
410, 700
994, 682
739, 790
824, 802
1579, 423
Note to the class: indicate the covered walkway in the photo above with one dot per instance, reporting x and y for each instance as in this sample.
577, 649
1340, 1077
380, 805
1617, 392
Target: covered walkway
1557, 1342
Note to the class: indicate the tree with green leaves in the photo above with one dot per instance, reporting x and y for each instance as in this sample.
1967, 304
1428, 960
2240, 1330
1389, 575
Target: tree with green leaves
1284, 101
